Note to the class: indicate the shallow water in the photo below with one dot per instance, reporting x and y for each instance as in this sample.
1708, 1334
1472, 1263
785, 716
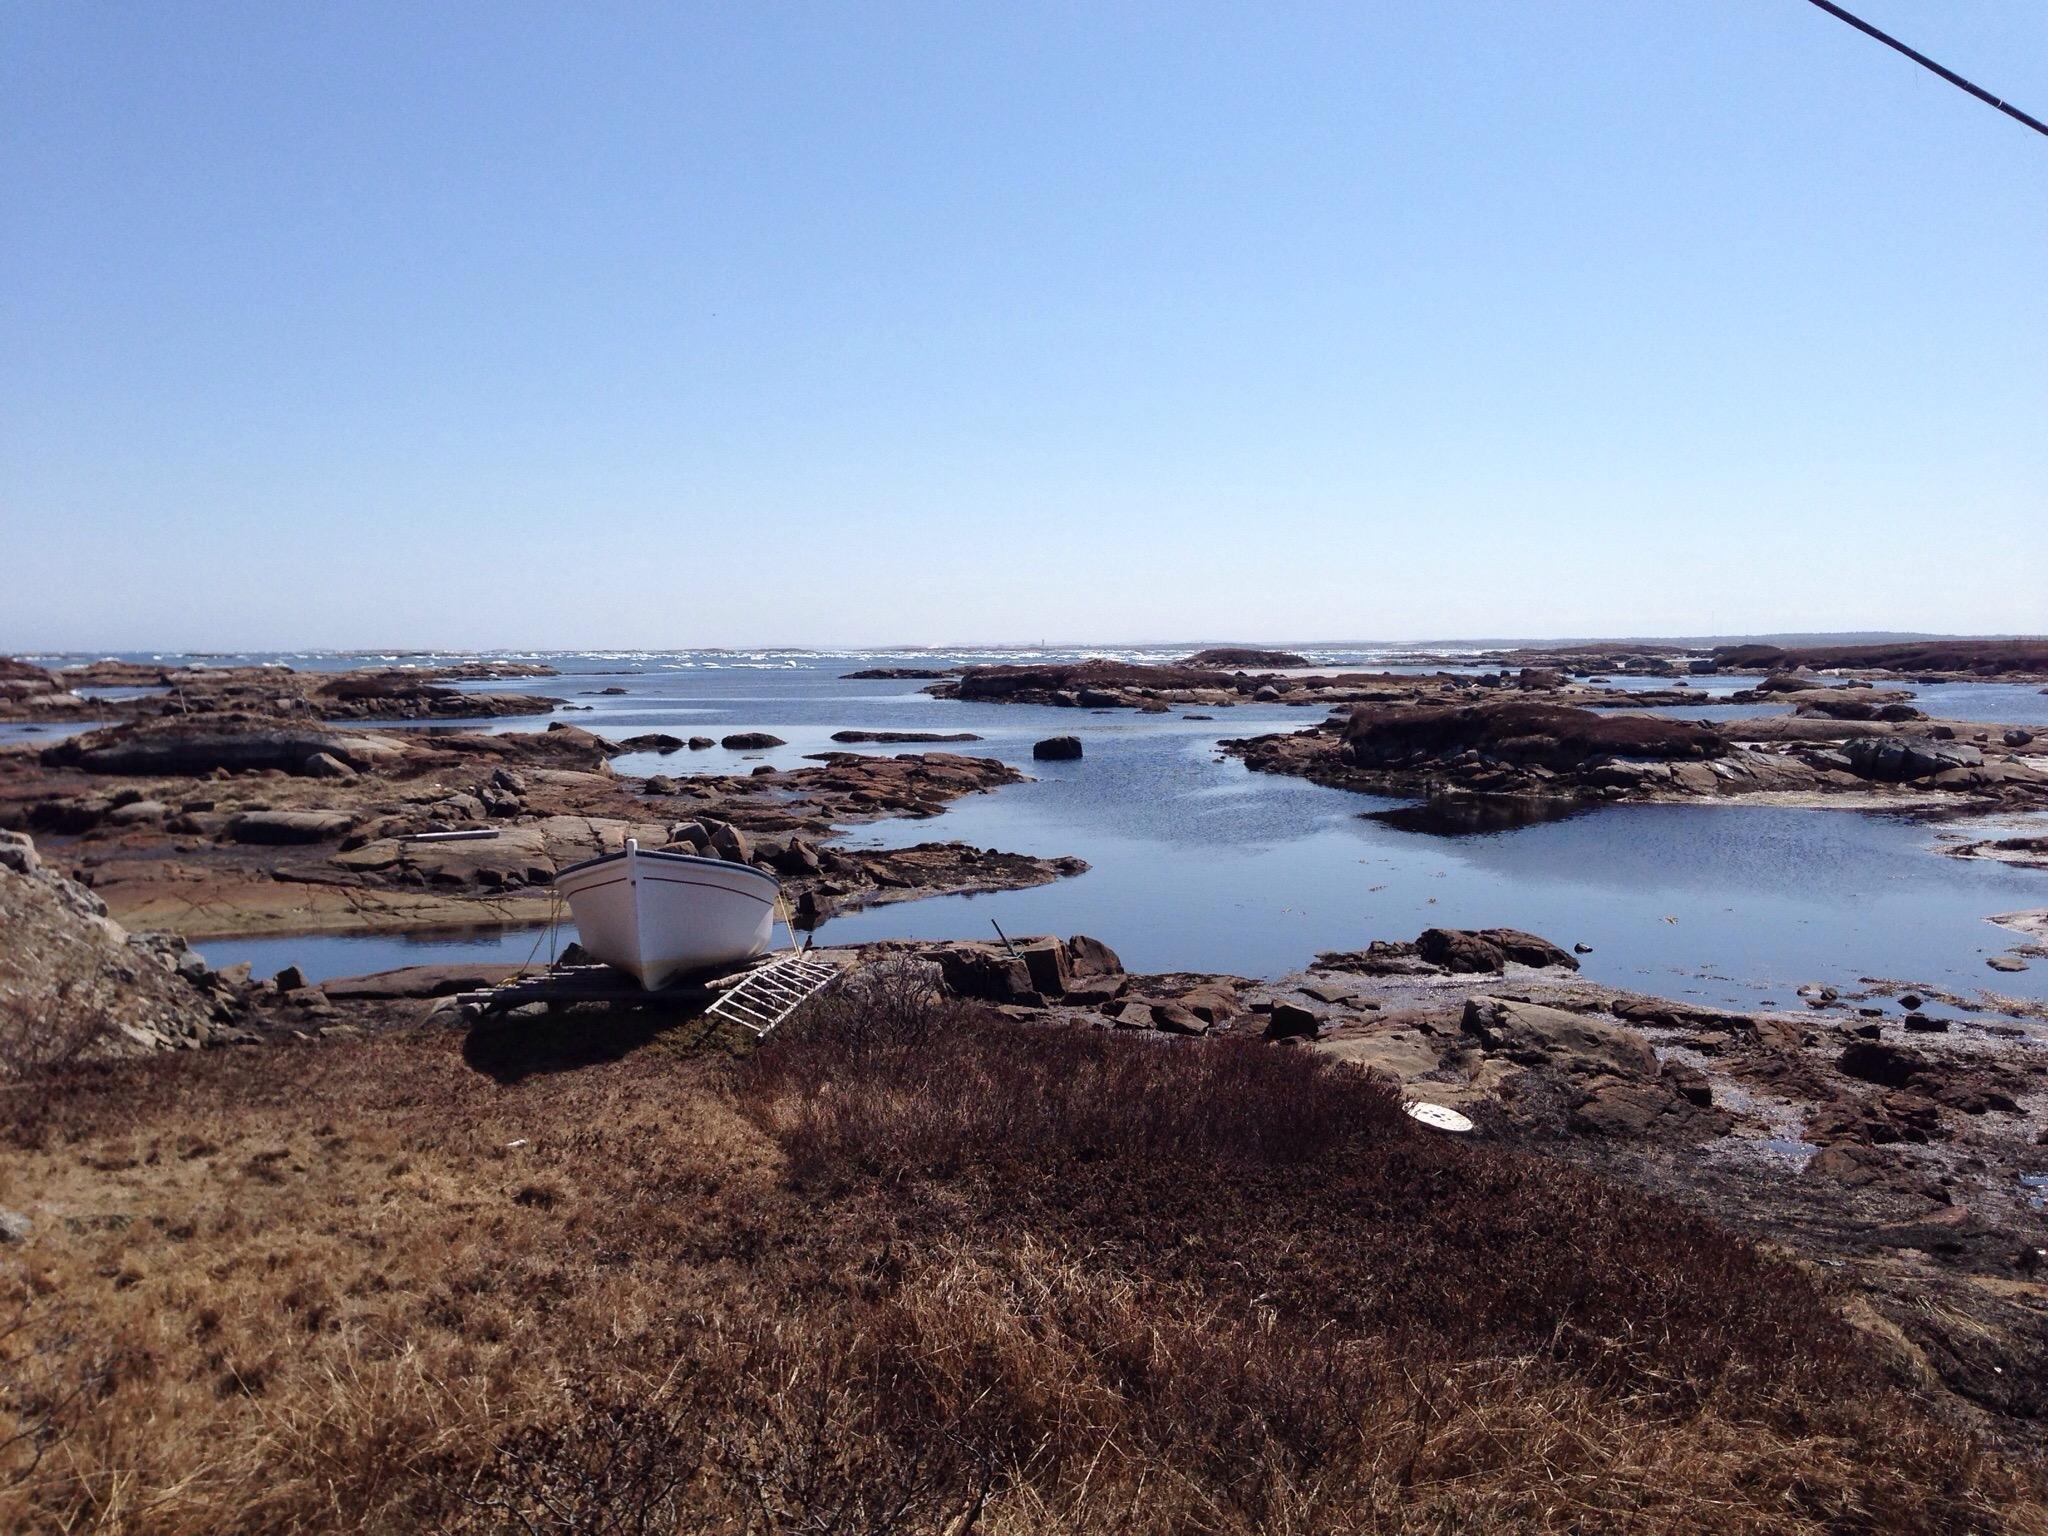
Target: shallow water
1200, 864
324, 956
43, 733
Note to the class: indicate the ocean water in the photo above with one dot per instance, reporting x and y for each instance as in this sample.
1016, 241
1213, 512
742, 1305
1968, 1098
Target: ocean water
1199, 864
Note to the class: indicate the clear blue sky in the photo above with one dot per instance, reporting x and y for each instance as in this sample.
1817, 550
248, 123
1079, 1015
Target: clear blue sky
595, 325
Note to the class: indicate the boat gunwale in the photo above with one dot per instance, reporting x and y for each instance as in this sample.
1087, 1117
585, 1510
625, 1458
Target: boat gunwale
660, 854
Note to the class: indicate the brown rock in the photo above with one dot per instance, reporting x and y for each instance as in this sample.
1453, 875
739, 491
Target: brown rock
286, 827
1291, 1021
1091, 957
1213, 1003
1534, 1036
1175, 1019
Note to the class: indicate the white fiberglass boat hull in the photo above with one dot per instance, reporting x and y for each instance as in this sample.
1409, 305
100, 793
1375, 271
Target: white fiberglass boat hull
659, 915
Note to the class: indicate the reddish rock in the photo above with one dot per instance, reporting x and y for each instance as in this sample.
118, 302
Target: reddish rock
1548, 735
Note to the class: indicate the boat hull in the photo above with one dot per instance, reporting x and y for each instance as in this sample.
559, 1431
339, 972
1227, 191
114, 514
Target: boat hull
660, 916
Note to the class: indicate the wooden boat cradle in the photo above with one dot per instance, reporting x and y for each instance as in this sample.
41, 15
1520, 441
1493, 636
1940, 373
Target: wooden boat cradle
757, 997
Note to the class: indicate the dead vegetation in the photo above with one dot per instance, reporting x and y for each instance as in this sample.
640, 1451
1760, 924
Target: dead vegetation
56, 1007
908, 1269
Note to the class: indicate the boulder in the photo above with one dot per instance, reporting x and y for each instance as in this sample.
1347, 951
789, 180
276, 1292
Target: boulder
18, 853
1472, 950
1130, 1012
980, 971
796, 857
287, 827
1213, 1003
1045, 961
1291, 1021
2018, 738
325, 765
731, 844
1057, 749
814, 907
1177, 1019
750, 741
1091, 957
1902, 759
1531, 1035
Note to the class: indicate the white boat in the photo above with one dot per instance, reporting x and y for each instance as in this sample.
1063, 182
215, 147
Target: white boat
659, 915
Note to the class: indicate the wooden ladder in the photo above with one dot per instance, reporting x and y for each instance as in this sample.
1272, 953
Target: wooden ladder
762, 999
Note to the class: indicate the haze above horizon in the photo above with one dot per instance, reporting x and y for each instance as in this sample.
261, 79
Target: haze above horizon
617, 327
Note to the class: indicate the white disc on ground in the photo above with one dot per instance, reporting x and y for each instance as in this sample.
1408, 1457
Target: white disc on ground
1437, 1117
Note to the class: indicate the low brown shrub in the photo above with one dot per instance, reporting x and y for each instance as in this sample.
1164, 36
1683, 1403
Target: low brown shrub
888, 1078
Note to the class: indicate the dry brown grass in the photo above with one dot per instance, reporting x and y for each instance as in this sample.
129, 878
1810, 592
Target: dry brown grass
907, 1270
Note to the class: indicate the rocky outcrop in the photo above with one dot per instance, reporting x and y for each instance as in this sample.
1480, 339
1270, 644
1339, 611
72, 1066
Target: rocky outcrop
257, 835
1899, 760
1606, 1073
1451, 951
1096, 684
75, 984
1031, 972
207, 744
1527, 752
1057, 749
1489, 949
1982, 658
1236, 656
1531, 1035
368, 693
418, 694
1524, 735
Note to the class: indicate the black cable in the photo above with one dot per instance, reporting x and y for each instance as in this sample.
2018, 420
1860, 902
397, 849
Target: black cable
1925, 62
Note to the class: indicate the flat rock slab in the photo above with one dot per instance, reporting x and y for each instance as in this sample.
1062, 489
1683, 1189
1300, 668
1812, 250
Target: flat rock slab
420, 981
289, 827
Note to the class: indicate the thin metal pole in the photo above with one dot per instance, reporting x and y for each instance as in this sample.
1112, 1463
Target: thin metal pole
1925, 62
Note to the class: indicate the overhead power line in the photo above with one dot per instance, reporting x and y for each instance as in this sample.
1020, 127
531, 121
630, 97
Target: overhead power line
1925, 62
